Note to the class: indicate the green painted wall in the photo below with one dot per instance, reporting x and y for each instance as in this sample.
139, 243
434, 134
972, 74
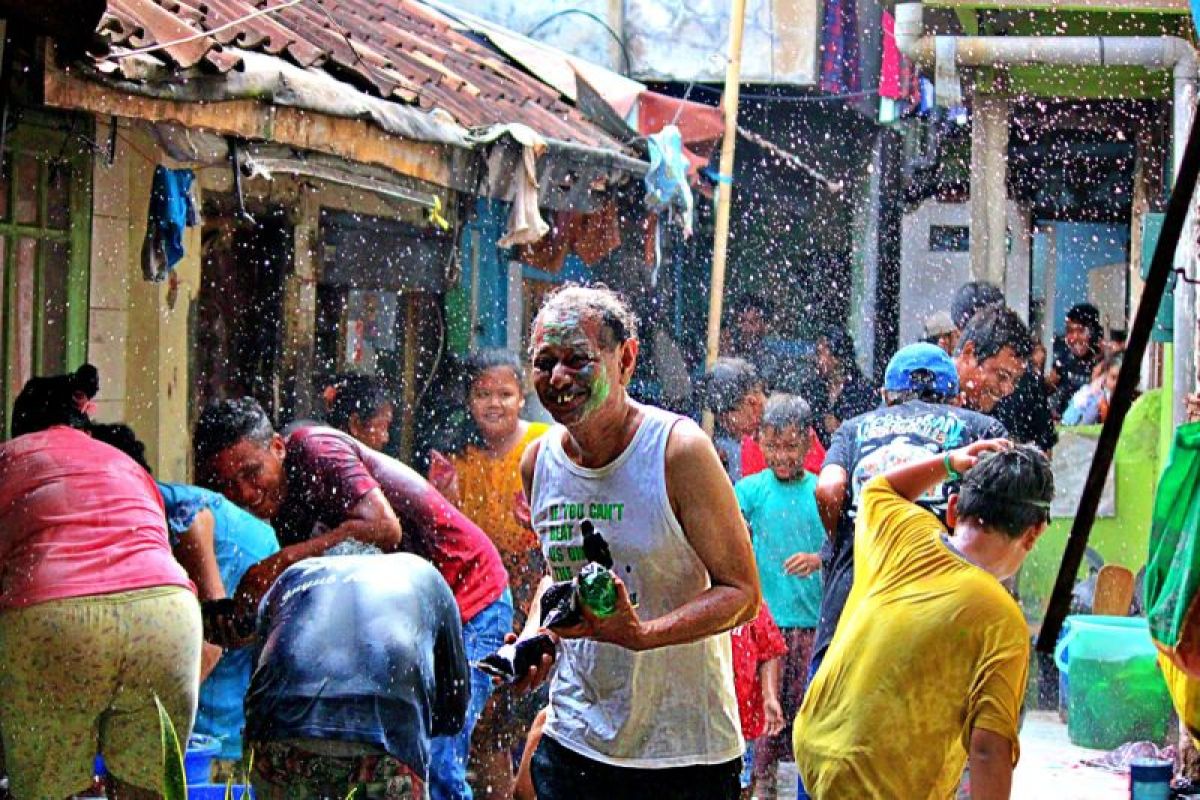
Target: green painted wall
1123, 539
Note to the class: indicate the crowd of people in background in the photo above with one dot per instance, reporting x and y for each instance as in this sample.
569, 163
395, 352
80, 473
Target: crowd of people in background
320, 604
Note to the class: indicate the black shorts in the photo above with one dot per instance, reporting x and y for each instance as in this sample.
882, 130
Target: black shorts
562, 774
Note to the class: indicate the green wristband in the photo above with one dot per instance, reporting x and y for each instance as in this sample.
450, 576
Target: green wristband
952, 474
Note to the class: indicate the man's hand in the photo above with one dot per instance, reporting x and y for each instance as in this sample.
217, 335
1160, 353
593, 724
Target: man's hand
521, 511
622, 627
964, 458
537, 675
802, 565
774, 716
444, 477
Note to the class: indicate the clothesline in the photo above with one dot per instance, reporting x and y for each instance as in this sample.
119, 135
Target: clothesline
808, 98
791, 159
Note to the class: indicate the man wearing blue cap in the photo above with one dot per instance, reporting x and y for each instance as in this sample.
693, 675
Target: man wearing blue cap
914, 422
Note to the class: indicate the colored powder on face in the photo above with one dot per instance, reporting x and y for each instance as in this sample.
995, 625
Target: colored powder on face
562, 330
599, 388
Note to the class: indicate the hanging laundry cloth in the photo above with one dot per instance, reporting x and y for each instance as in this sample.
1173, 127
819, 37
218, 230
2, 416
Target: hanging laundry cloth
172, 208
839, 45
590, 236
667, 181
525, 223
897, 73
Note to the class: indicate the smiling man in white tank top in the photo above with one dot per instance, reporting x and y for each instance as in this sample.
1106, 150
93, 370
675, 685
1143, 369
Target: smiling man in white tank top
641, 702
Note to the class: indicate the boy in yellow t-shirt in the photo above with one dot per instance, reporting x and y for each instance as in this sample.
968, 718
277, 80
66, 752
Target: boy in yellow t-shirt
929, 662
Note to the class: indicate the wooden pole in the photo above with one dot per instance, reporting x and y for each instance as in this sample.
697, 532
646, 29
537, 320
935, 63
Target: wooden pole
1122, 398
729, 103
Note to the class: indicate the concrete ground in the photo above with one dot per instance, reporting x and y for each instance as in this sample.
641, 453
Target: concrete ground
1050, 767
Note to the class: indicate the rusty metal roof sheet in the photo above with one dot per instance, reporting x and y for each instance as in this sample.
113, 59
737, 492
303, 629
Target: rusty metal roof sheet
399, 50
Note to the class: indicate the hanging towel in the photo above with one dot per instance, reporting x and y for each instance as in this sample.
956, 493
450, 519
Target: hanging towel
525, 223
172, 208
889, 64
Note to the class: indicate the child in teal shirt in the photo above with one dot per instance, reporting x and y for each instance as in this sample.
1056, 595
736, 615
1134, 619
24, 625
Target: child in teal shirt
780, 506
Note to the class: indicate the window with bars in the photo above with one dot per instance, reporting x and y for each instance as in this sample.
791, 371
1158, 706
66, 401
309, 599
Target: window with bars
45, 234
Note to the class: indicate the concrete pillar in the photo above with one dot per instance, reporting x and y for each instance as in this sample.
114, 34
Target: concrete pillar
989, 189
1049, 287
1016, 273
298, 360
156, 355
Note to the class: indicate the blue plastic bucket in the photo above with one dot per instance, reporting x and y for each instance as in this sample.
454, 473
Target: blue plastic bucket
1116, 692
197, 761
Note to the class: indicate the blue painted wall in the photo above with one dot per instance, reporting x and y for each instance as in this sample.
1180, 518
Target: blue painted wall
1081, 247
489, 222
487, 226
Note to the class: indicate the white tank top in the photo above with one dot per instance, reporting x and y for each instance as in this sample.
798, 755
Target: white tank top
670, 707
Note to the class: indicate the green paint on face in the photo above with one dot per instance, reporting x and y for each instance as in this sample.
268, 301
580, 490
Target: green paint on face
599, 388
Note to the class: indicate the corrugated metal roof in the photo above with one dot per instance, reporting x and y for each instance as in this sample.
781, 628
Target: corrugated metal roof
400, 50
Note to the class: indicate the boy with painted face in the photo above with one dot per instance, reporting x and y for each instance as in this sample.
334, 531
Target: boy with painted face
642, 702
780, 505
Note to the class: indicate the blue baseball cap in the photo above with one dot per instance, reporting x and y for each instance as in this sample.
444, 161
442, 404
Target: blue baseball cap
921, 357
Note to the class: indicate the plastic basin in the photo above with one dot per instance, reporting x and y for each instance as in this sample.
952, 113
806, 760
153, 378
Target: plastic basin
197, 761
216, 791
1116, 693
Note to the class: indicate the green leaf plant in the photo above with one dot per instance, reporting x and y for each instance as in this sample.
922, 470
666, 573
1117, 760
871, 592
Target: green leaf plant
174, 780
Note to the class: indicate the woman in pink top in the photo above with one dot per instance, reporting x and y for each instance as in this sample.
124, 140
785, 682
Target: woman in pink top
96, 616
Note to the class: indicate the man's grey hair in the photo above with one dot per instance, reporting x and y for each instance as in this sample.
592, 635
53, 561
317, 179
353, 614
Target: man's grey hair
785, 410
617, 320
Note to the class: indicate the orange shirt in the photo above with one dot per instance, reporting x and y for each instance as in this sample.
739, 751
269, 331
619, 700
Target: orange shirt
488, 488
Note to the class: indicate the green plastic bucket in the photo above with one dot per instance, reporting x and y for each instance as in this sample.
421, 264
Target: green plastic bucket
1117, 693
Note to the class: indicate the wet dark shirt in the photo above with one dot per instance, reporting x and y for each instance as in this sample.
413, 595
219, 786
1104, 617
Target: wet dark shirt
869, 445
1073, 373
364, 649
1027, 413
328, 472
858, 396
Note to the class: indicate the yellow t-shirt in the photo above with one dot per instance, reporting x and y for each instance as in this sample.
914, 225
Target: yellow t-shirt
929, 647
487, 488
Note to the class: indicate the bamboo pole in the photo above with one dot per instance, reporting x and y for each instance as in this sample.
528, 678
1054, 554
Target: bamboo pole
729, 103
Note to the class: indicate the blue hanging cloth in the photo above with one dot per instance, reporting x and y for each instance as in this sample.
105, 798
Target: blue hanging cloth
172, 208
667, 185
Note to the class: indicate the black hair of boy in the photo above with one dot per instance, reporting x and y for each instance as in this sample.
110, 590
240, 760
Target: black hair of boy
995, 328
784, 411
224, 423
971, 298
356, 395
123, 438
727, 383
1008, 491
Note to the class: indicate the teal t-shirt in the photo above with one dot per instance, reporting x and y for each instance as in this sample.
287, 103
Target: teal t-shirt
784, 521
